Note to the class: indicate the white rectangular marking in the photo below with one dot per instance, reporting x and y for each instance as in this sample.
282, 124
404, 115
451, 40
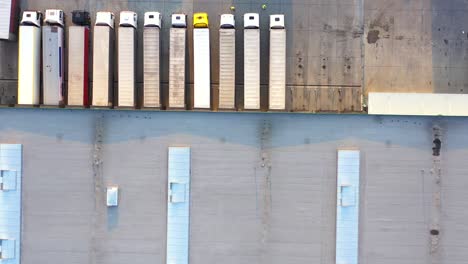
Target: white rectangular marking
421, 104
10, 203
178, 205
347, 207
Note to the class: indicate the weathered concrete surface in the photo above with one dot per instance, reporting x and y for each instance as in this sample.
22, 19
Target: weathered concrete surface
352, 46
263, 185
416, 46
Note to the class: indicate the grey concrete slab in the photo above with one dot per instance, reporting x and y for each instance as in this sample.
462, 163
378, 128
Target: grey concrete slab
9, 60
8, 91
263, 186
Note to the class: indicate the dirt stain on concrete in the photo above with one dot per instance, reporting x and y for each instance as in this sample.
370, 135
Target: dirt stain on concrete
380, 27
373, 36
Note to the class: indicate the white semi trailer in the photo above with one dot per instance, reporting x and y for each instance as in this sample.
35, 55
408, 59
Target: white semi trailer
78, 59
103, 60
127, 44
8, 19
177, 40
52, 58
29, 58
277, 85
227, 62
151, 60
251, 61
202, 63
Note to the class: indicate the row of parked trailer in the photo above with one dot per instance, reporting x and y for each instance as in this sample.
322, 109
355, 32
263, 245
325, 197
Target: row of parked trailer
102, 93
